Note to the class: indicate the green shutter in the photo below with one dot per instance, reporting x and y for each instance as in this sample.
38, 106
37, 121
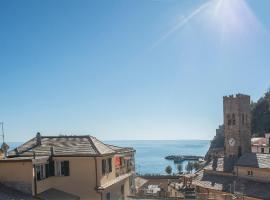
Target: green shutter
47, 169
110, 164
103, 167
66, 164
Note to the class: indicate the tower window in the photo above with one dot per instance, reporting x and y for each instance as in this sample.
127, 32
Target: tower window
233, 119
243, 119
229, 119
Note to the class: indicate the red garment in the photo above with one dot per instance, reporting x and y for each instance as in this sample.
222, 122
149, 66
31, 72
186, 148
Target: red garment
117, 161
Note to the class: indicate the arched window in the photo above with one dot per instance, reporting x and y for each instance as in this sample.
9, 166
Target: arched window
229, 119
233, 119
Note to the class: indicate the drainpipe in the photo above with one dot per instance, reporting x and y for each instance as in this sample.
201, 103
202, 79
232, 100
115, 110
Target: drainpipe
97, 178
35, 172
35, 181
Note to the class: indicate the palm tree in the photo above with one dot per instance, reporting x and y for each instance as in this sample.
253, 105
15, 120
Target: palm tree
168, 169
196, 165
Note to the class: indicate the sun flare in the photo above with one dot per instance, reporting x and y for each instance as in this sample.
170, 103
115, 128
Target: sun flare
229, 18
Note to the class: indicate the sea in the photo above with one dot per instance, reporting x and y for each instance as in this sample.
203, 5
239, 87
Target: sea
150, 154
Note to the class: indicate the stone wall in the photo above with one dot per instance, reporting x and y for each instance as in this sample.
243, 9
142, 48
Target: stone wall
237, 126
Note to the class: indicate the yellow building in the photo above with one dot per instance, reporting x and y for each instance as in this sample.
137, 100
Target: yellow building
254, 166
70, 167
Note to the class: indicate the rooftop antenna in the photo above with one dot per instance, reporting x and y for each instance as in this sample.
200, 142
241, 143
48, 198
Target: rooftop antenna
3, 134
4, 146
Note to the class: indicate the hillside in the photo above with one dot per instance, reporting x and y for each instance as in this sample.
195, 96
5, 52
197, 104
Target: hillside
260, 122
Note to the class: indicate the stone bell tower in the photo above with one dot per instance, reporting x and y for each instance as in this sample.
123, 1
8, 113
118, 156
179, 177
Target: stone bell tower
237, 128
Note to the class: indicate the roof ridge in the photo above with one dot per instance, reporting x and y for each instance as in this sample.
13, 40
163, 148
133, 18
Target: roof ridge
93, 144
66, 136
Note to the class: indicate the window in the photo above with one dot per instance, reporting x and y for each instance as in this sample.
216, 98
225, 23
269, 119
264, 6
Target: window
49, 168
243, 119
122, 161
229, 119
122, 190
108, 196
233, 119
40, 172
110, 164
131, 181
106, 166
61, 168
262, 150
250, 173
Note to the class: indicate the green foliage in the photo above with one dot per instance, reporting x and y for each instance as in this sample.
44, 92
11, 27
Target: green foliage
260, 121
168, 169
180, 168
196, 165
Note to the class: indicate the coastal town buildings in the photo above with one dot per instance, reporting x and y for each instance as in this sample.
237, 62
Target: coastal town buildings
70, 167
261, 144
239, 173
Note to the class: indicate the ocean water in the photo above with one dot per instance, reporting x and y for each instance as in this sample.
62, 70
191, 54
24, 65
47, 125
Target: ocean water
150, 154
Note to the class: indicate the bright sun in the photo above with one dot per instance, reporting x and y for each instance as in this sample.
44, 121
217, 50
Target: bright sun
230, 18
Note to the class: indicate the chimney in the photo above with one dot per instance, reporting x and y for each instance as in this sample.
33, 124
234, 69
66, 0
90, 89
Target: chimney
4, 149
38, 138
52, 151
17, 151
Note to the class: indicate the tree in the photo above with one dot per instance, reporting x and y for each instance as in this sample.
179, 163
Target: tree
260, 111
196, 165
168, 169
189, 167
180, 168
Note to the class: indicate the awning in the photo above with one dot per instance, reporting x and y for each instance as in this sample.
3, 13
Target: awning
114, 181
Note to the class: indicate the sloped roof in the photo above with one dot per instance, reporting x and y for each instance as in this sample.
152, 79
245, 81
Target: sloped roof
256, 160
65, 146
224, 183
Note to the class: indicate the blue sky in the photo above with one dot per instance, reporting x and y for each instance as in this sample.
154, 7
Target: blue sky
118, 69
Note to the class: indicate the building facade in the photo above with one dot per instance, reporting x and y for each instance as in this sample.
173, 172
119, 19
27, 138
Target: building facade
81, 167
261, 144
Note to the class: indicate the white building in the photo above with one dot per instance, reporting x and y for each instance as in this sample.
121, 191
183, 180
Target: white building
261, 144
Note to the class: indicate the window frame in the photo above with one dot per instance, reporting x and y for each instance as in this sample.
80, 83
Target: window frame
108, 196
106, 165
60, 166
41, 171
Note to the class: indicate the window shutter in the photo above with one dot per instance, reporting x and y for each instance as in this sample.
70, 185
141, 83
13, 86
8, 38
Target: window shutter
110, 164
65, 168
38, 173
51, 166
47, 170
103, 167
